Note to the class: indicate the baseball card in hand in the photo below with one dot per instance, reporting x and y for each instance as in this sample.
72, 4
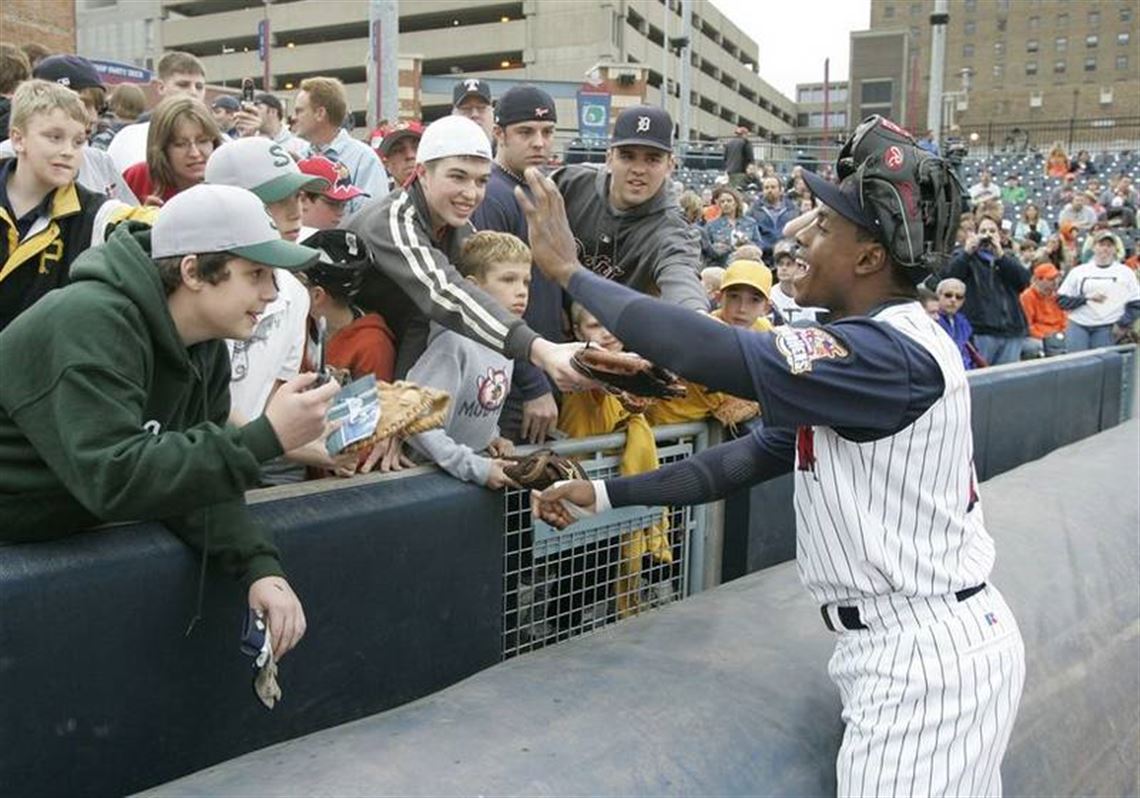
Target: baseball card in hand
357, 407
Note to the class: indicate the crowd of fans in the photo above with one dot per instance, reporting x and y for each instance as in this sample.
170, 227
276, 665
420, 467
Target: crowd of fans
160, 227
1044, 266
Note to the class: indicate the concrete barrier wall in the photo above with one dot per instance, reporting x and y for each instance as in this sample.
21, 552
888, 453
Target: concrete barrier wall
102, 693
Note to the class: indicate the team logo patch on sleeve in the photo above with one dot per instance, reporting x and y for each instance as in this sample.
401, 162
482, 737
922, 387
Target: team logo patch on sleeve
802, 346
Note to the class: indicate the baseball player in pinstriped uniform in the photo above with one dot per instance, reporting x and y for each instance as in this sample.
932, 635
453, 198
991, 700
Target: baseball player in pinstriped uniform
872, 412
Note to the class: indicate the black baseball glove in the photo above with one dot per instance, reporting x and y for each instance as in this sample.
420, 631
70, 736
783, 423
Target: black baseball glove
627, 373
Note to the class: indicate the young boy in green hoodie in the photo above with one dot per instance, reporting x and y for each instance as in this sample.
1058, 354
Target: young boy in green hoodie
120, 413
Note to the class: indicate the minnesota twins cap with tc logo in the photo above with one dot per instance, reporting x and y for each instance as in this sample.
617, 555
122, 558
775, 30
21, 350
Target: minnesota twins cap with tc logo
471, 87
261, 166
643, 125
525, 104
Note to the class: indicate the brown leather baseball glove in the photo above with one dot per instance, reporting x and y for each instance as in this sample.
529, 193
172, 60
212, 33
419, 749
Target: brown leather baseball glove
734, 410
627, 373
406, 409
539, 470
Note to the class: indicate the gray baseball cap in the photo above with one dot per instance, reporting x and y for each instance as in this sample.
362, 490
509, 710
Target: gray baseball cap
208, 218
261, 166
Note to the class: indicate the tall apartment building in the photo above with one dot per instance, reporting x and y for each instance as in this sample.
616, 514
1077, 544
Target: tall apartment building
555, 41
1006, 61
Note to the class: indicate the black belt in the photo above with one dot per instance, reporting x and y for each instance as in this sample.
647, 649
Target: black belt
849, 616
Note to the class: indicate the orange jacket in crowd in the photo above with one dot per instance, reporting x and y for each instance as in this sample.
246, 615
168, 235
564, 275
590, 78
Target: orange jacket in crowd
1044, 315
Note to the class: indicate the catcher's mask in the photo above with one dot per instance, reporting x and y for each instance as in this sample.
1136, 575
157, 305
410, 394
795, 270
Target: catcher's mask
909, 199
342, 262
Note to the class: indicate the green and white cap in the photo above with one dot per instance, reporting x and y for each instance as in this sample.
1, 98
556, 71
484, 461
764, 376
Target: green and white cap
208, 218
262, 166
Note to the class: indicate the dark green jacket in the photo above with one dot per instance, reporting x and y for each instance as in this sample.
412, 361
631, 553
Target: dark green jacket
105, 415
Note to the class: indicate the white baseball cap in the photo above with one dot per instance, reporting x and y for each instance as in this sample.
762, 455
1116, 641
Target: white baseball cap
208, 218
450, 136
262, 166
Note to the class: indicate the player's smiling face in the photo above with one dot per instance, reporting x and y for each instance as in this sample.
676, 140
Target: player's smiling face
829, 251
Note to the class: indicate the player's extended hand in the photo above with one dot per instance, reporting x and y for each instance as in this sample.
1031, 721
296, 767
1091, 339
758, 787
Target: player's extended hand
554, 359
539, 417
298, 415
551, 242
283, 612
550, 504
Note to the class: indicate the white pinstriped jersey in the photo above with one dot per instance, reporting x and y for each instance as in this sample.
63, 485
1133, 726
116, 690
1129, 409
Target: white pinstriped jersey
896, 515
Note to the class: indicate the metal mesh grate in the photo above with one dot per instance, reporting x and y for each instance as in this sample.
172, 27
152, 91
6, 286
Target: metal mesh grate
561, 584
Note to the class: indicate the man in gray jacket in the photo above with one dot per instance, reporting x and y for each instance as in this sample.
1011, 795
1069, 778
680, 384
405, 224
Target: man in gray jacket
627, 226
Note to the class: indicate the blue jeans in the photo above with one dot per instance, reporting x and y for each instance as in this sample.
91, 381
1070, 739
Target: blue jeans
1082, 337
998, 349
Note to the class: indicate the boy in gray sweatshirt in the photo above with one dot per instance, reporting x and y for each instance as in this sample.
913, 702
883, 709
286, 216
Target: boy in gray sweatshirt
477, 377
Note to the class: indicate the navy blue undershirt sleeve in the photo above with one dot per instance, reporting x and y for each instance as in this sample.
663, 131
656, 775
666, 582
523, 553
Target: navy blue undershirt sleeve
863, 378
696, 346
711, 474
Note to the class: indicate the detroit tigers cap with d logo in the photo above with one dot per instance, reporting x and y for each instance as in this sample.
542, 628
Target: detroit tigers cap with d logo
643, 125
208, 218
261, 166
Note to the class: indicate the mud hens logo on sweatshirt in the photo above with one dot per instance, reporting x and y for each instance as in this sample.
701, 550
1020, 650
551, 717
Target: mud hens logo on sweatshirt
490, 392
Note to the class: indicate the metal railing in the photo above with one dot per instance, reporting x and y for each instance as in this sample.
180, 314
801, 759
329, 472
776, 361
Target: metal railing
1039, 136
562, 584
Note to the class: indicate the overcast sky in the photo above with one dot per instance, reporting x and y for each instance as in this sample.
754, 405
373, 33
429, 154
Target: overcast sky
796, 35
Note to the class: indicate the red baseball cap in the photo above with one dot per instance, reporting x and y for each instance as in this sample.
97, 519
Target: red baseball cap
340, 187
1045, 271
384, 137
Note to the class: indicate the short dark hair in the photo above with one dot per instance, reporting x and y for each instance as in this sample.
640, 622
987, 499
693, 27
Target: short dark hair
213, 267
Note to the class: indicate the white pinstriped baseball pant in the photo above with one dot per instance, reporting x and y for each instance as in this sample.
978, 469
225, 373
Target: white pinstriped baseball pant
930, 692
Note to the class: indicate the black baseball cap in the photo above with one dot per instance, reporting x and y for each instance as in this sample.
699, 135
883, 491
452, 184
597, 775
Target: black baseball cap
270, 101
645, 126
470, 87
73, 71
340, 267
525, 104
844, 198
227, 102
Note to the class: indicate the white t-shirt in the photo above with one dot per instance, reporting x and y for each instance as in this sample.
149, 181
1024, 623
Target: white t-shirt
129, 146
1117, 282
980, 193
788, 308
273, 352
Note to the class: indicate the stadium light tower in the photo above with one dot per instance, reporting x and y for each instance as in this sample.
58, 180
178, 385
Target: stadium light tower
938, 21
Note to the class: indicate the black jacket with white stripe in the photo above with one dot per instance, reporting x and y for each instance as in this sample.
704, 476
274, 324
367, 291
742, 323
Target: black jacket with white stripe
414, 281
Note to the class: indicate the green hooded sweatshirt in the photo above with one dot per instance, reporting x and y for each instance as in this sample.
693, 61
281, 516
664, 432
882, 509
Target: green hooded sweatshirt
106, 415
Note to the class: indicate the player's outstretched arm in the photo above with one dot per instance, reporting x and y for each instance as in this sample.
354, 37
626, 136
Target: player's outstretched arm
704, 477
